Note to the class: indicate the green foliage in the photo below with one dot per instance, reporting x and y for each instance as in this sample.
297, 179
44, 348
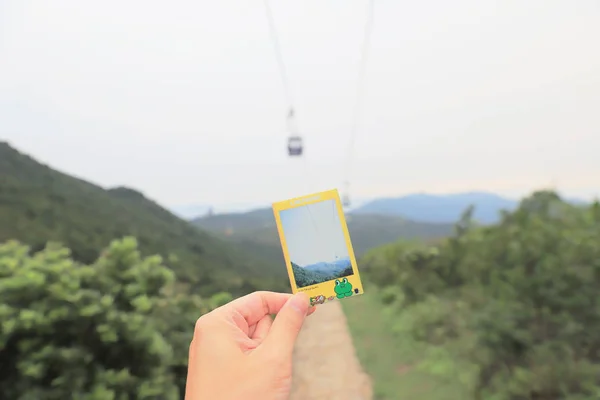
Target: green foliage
118, 328
305, 277
220, 299
39, 204
512, 311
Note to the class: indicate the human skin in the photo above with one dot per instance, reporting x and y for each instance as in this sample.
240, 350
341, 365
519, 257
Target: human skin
239, 352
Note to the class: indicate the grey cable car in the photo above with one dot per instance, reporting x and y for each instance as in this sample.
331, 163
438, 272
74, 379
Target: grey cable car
346, 200
295, 147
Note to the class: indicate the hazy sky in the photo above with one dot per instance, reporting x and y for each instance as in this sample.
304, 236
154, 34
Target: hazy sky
183, 101
313, 233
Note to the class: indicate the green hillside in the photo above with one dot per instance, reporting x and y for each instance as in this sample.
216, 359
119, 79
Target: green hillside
256, 230
305, 277
508, 311
39, 204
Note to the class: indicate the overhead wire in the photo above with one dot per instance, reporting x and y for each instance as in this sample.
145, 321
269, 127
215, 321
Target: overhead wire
360, 88
291, 117
360, 92
287, 89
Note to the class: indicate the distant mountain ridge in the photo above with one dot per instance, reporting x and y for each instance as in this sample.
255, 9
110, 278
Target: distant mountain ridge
199, 210
445, 208
320, 272
366, 231
190, 211
416, 208
441, 208
333, 267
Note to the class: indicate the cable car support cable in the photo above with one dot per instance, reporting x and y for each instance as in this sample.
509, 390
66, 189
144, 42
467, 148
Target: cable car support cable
295, 146
287, 90
278, 55
360, 91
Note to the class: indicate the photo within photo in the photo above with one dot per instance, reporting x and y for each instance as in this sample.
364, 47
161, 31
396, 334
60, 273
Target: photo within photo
316, 243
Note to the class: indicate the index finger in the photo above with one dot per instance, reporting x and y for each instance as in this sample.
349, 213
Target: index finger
254, 306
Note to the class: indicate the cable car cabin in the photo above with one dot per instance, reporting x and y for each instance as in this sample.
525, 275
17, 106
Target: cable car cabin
295, 147
346, 201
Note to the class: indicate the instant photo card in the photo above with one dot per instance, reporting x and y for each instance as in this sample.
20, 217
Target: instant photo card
317, 248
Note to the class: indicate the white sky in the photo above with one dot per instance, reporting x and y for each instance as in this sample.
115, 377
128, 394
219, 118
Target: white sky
313, 233
183, 101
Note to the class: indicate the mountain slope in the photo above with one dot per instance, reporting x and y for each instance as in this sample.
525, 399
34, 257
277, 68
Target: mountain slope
38, 204
304, 277
441, 208
256, 231
334, 267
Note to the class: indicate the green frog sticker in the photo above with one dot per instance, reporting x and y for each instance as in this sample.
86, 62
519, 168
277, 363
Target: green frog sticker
343, 288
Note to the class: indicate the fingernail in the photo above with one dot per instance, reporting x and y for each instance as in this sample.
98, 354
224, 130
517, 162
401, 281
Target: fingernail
300, 303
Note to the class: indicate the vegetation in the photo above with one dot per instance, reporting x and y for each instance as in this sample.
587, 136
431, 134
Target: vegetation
39, 204
118, 328
389, 356
305, 277
509, 311
503, 312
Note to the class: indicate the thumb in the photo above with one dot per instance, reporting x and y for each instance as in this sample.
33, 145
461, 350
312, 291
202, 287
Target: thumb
288, 322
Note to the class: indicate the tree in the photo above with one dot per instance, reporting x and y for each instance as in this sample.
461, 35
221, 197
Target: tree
116, 329
515, 304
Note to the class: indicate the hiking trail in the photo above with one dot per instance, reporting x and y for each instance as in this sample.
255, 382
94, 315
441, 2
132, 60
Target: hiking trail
325, 362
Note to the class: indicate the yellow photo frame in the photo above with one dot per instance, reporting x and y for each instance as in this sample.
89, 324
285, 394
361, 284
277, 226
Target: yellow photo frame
317, 248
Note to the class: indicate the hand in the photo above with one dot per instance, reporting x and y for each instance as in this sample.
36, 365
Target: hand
239, 352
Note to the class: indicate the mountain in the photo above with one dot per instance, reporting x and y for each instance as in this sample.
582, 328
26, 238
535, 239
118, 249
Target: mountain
330, 268
237, 222
441, 208
366, 230
39, 204
256, 233
306, 277
190, 211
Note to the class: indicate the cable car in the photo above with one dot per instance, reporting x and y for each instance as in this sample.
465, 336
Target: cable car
295, 147
346, 200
